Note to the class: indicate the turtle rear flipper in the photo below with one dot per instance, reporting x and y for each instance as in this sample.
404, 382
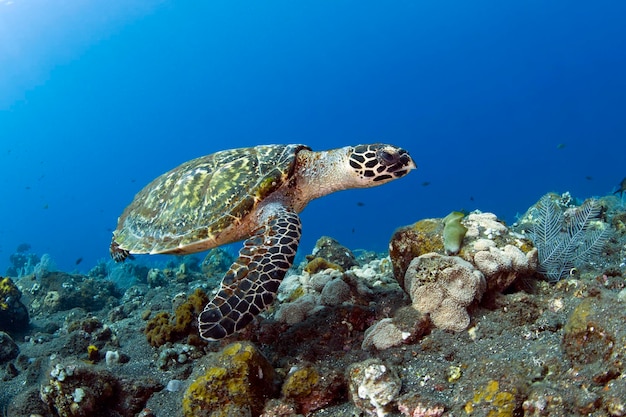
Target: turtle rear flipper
118, 254
251, 283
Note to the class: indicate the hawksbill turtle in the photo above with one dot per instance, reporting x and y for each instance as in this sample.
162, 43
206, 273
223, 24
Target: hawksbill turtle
254, 194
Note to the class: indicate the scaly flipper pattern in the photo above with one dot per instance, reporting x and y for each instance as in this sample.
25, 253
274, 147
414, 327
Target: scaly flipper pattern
252, 281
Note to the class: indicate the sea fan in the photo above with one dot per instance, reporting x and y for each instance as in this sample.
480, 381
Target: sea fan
565, 241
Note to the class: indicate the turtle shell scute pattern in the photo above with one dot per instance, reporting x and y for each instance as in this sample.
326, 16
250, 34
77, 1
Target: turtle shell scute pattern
197, 200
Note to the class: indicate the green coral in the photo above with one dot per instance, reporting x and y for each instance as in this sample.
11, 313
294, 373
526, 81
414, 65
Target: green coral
453, 232
238, 377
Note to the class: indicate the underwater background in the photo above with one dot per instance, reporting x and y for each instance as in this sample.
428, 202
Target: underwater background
497, 102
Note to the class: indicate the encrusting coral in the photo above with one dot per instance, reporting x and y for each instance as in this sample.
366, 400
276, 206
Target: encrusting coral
162, 328
318, 264
335, 253
75, 390
500, 254
409, 242
13, 314
373, 386
238, 379
502, 267
406, 326
8, 293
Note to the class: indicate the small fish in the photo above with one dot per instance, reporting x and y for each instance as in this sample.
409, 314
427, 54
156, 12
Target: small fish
425, 183
588, 177
45, 206
622, 188
360, 203
78, 261
560, 146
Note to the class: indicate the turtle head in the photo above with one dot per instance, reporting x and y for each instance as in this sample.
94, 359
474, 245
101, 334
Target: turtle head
379, 163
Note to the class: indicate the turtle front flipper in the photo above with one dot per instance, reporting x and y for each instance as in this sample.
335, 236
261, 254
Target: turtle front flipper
251, 283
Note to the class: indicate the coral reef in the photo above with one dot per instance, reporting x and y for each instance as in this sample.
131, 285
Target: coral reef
170, 356
502, 255
336, 343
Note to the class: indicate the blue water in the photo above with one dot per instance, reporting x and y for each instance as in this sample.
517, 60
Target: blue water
498, 102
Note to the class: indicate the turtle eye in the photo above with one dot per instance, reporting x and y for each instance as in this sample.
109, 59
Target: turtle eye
387, 158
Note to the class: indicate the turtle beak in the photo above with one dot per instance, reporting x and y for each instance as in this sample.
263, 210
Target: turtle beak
404, 165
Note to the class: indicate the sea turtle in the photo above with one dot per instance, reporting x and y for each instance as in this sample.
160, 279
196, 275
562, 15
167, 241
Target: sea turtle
247, 193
